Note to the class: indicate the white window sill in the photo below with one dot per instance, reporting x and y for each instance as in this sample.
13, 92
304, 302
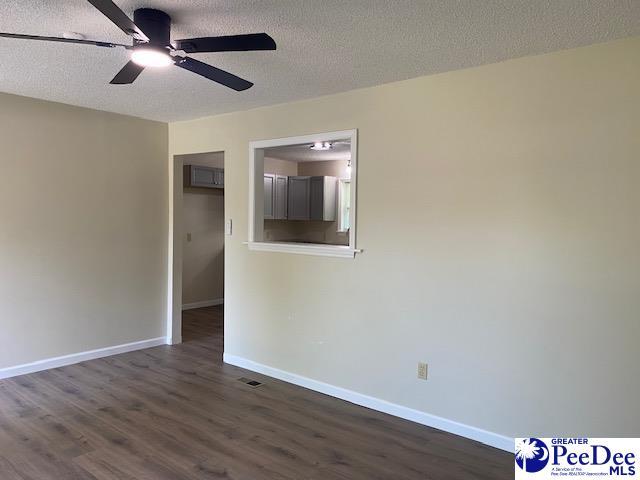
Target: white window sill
305, 249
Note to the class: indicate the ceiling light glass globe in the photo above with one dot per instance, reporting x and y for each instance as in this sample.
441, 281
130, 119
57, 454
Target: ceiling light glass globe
151, 57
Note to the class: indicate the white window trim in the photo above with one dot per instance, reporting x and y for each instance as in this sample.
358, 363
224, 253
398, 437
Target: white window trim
256, 182
339, 208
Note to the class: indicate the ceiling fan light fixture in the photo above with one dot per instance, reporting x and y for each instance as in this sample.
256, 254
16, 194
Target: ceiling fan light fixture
321, 146
152, 47
151, 57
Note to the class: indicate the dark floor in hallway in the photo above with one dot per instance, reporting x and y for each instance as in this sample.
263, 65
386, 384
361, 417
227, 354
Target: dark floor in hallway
179, 413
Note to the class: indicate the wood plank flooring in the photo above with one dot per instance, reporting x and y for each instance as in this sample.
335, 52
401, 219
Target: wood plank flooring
179, 413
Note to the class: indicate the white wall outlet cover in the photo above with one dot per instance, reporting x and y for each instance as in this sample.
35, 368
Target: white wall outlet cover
228, 227
422, 370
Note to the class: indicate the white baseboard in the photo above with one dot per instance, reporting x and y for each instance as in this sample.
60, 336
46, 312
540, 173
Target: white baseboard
56, 362
203, 303
488, 438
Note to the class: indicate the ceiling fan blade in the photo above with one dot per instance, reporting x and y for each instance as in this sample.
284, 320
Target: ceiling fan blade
128, 74
64, 40
212, 73
231, 43
117, 16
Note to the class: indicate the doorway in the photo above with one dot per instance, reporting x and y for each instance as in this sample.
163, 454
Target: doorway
198, 241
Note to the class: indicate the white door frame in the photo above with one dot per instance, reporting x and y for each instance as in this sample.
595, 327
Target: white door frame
174, 273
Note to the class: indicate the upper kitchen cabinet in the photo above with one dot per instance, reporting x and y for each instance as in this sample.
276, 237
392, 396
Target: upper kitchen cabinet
298, 201
275, 196
281, 194
206, 177
322, 195
269, 195
312, 198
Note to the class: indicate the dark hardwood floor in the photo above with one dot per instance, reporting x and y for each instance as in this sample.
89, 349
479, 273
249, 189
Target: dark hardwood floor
180, 413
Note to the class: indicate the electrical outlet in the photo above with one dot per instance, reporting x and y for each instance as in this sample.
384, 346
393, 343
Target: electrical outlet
189, 237
422, 370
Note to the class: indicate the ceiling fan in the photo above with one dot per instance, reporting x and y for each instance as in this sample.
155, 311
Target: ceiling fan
152, 47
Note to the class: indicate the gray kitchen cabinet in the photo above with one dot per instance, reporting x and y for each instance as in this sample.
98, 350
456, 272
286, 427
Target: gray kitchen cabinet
312, 198
281, 194
323, 198
201, 176
298, 201
275, 196
269, 196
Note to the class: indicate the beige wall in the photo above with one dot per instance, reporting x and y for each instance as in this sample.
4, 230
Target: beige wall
280, 167
331, 168
207, 159
498, 213
203, 255
83, 243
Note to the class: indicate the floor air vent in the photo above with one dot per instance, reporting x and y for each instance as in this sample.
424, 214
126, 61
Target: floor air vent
251, 383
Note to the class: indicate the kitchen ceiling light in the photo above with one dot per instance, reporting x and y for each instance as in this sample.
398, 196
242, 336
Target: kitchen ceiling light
321, 146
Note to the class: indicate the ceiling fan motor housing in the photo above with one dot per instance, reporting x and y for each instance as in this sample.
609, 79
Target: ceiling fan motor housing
156, 25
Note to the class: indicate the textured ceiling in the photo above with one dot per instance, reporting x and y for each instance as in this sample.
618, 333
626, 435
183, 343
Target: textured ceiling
324, 46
